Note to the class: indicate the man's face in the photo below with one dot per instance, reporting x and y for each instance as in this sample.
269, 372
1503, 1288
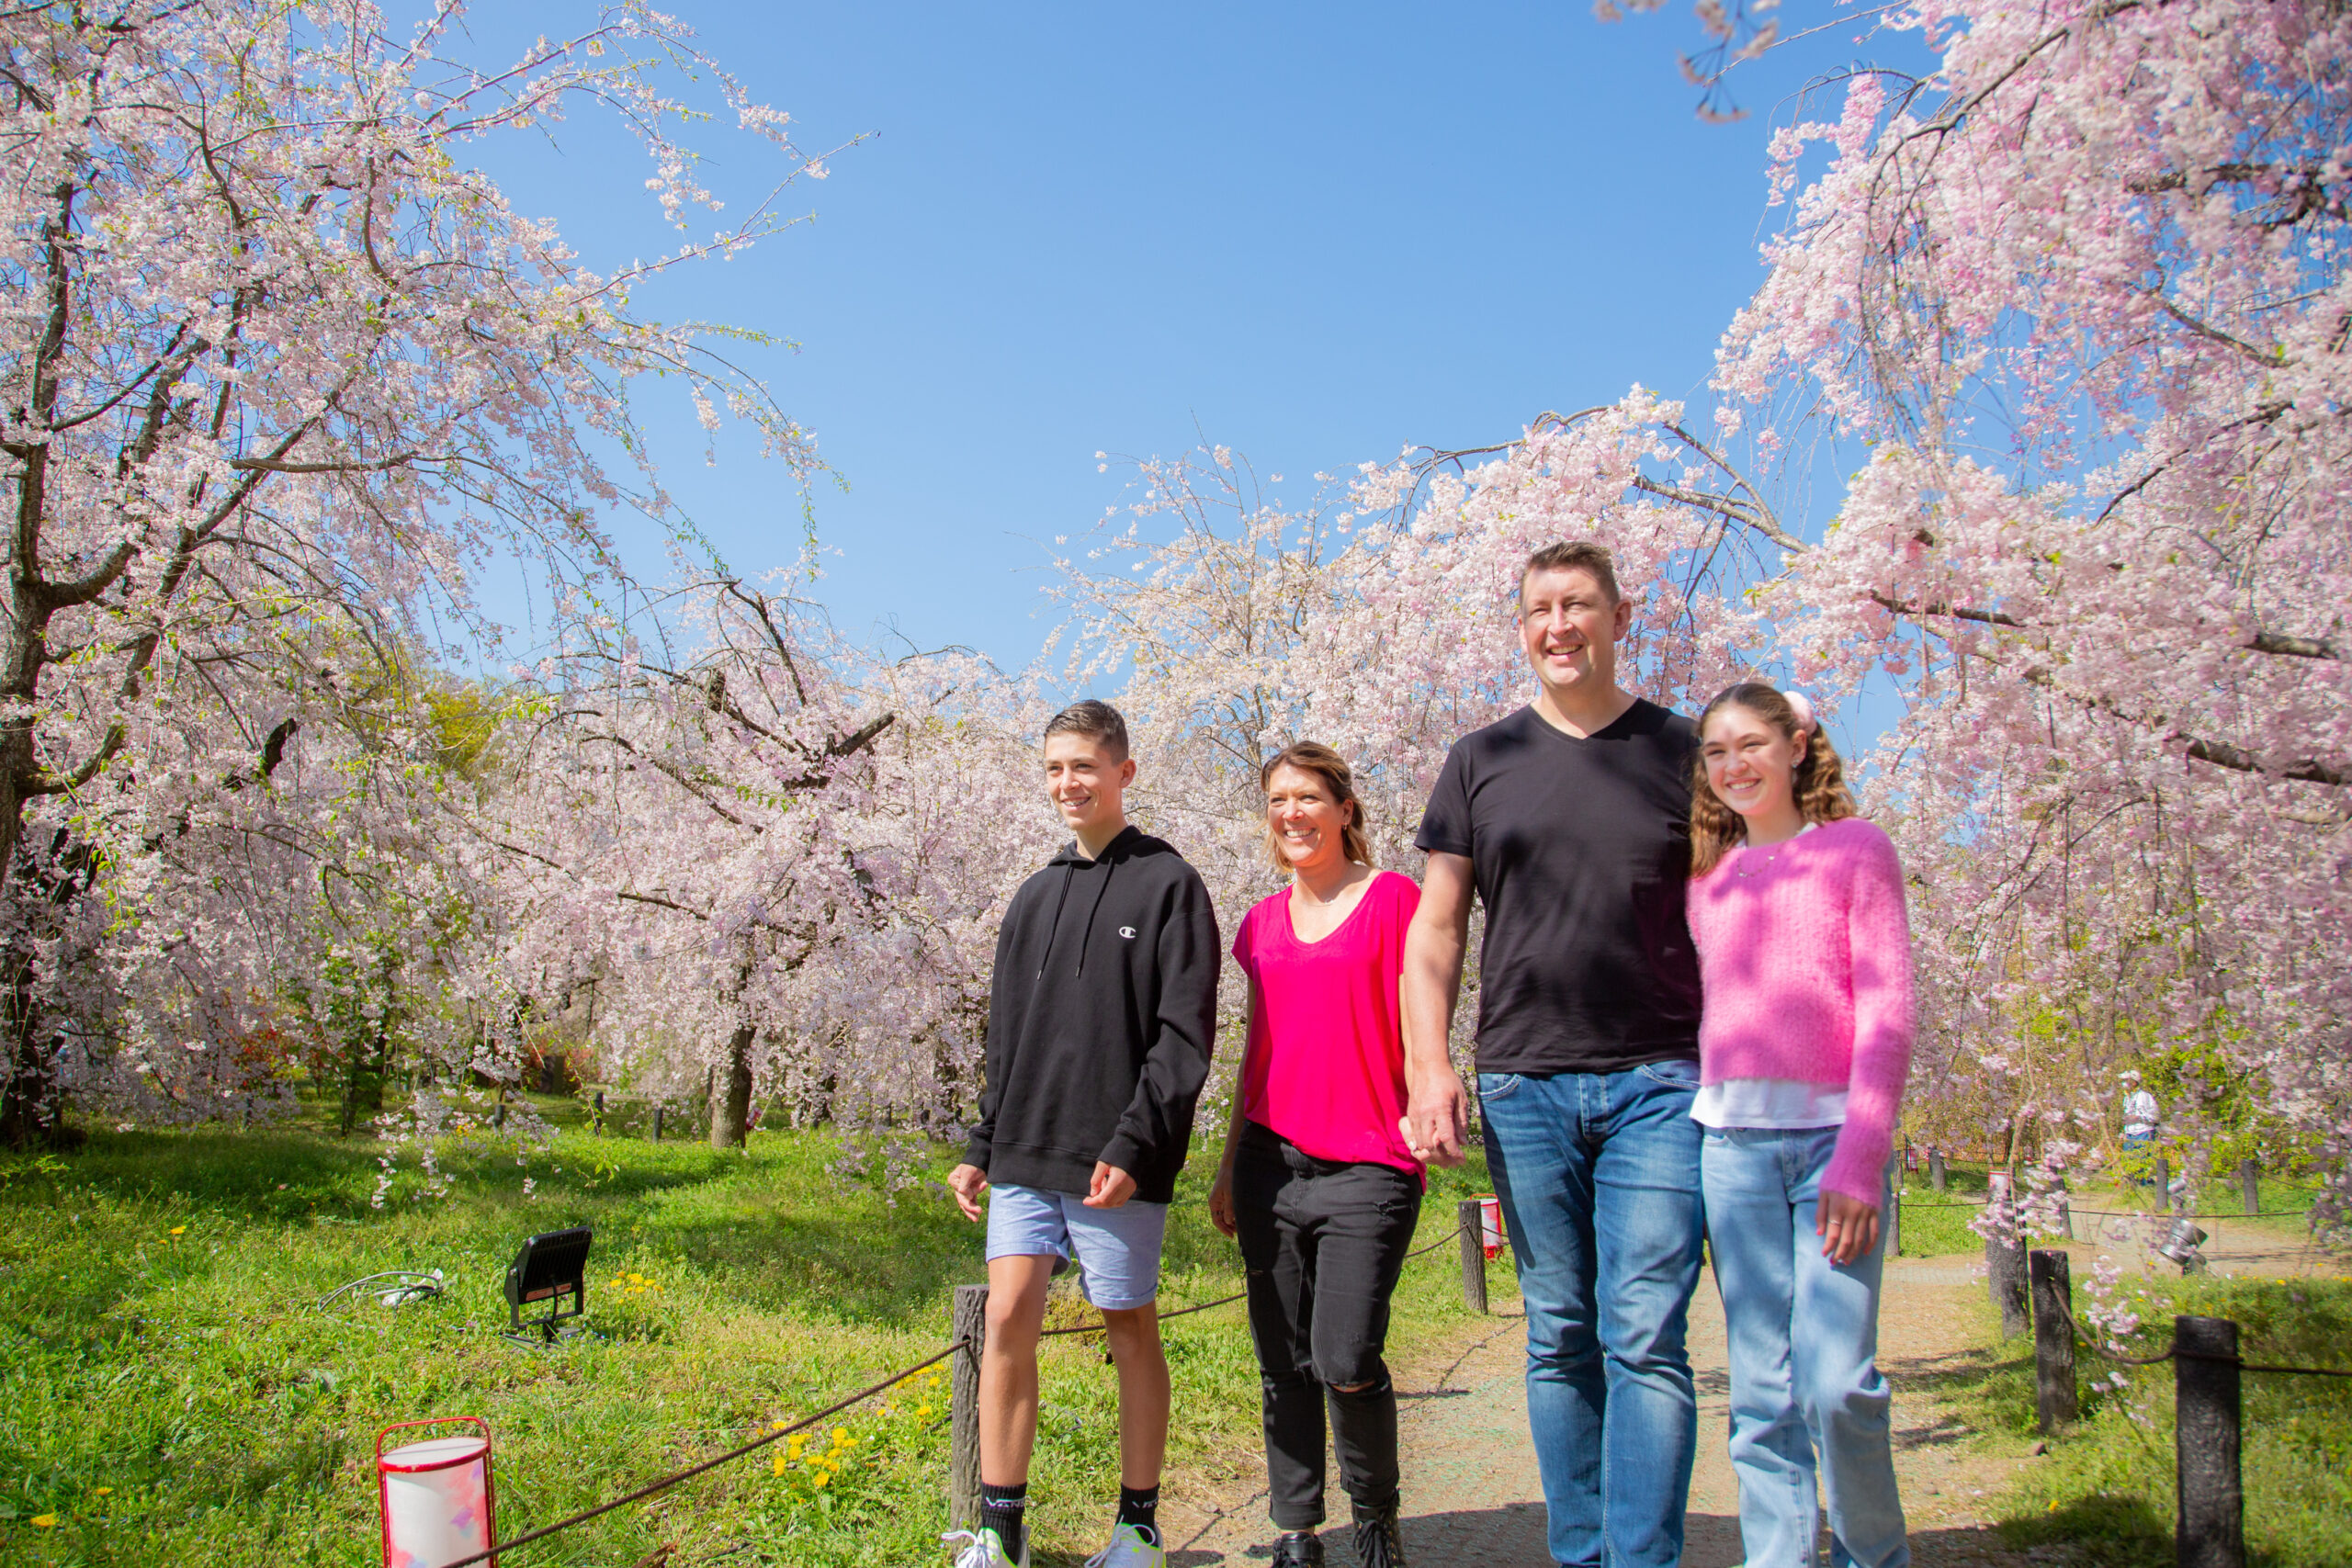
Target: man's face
1569, 628
1084, 785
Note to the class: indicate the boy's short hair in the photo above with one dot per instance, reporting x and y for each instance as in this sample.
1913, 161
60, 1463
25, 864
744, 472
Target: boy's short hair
1098, 720
1573, 555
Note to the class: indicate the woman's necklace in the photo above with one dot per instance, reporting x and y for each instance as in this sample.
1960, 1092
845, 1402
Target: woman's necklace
1763, 859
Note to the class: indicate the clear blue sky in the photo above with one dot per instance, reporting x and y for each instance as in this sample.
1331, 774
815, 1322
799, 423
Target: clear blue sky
1317, 233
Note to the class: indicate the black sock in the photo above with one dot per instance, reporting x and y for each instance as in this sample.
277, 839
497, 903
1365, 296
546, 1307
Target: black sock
1001, 1510
1139, 1506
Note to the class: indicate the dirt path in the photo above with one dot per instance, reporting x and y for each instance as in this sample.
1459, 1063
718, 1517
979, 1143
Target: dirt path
1471, 1495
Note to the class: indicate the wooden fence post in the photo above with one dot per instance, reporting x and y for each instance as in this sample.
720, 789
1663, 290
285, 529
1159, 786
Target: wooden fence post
2209, 1530
2054, 1400
971, 1324
1470, 1214
657, 1123
1895, 1217
2004, 1275
2250, 1184
2065, 1212
2164, 1182
1936, 1170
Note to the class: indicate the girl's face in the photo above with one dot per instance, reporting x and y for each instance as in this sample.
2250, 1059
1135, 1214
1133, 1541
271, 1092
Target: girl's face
1751, 762
1308, 826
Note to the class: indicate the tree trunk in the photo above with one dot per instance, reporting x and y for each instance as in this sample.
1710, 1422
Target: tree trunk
28, 1099
730, 1103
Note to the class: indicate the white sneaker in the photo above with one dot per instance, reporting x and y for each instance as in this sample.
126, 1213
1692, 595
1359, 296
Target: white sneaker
984, 1549
1129, 1547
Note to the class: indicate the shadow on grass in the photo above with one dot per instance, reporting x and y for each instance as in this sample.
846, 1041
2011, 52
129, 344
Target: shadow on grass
272, 1173
2111, 1531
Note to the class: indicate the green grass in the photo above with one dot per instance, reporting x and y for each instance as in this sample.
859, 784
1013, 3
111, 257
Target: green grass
2105, 1487
171, 1393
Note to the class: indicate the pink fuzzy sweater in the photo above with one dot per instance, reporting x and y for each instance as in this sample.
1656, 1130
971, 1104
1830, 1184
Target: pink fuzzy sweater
1804, 953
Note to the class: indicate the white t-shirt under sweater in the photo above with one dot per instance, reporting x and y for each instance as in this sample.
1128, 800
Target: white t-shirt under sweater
1769, 1104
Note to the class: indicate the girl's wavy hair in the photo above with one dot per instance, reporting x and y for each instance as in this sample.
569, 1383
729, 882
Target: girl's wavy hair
1313, 757
1819, 784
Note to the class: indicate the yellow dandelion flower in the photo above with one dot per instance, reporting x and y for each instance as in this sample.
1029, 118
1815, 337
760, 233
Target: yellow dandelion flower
777, 1467
179, 1230
635, 1278
841, 1433
779, 1426
44, 1521
822, 1480
103, 1492
922, 1412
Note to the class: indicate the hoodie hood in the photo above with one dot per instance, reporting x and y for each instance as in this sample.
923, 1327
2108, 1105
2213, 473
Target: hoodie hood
1074, 861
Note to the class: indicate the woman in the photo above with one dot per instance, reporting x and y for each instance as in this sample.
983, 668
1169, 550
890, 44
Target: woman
1804, 1041
1316, 1180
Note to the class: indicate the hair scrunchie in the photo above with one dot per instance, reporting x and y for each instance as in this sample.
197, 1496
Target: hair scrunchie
1803, 707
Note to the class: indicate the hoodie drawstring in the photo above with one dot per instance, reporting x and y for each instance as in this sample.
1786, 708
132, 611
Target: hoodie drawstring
1087, 935
1054, 930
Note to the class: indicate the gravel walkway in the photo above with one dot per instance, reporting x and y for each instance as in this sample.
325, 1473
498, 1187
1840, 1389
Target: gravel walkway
1471, 1495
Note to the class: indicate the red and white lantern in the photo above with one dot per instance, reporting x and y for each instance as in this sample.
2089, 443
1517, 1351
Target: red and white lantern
436, 1495
1490, 1225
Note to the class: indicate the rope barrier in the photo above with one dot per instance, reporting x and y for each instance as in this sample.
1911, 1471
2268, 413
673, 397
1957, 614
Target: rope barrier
2175, 1353
761, 1441
764, 1438
1228, 1301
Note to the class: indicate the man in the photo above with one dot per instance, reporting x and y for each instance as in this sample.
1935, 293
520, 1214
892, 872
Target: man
1569, 819
1102, 1013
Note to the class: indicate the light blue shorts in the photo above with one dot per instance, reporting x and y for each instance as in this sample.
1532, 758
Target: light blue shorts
1117, 1249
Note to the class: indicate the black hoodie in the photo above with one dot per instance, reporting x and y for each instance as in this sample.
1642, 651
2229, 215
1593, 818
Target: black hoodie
1101, 1014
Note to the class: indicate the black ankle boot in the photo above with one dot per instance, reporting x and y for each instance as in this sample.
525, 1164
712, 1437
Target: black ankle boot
1298, 1548
1379, 1544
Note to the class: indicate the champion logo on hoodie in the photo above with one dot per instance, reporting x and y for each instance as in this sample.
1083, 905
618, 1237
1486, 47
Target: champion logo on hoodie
1127, 931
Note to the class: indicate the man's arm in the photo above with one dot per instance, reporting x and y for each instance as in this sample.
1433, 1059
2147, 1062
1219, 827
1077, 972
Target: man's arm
1435, 1115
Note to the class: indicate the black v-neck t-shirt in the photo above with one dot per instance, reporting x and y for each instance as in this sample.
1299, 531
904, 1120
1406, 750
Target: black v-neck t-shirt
1580, 849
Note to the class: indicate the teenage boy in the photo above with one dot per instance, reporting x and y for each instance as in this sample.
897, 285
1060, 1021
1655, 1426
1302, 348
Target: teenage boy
1569, 819
1102, 1013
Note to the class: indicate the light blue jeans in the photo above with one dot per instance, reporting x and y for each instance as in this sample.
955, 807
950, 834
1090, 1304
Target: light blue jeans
1599, 1177
1804, 1339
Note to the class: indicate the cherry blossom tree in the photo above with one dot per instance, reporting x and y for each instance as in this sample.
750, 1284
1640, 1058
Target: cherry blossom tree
2084, 292
778, 862
283, 371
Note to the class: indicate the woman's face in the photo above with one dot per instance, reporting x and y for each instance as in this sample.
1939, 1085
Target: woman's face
1308, 826
1751, 762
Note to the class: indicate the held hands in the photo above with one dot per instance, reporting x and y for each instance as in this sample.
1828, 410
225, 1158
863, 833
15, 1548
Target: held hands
968, 1182
1109, 1188
1435, 1122
1849, 1225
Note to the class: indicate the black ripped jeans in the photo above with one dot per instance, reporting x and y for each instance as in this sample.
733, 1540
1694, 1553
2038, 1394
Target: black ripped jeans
1322, 1242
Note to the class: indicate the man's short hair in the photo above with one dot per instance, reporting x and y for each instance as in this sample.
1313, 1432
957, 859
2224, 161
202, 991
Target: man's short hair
1573, 555
1098, 720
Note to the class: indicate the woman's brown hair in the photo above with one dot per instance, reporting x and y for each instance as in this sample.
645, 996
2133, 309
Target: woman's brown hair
1819, 784
1312, 757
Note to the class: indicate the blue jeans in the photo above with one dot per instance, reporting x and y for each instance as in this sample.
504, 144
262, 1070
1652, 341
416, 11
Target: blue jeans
1599, 1177
1803, 1337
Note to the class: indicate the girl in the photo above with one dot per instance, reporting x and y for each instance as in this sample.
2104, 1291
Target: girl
1796, 908
1316, 1179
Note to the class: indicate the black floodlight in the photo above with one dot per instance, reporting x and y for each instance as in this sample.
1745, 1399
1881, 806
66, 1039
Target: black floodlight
2181, 1246
549, 1268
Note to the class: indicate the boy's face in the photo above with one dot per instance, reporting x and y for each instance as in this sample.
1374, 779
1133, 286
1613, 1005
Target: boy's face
1085, 785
